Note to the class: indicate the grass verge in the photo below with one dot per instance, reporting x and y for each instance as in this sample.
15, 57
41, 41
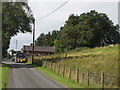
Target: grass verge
98, 60
62, 80
4, 68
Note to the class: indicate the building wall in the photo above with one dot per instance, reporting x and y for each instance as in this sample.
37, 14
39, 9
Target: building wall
37, 53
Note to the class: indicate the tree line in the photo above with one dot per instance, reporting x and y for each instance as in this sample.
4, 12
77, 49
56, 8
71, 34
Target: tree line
17, 17
91, 29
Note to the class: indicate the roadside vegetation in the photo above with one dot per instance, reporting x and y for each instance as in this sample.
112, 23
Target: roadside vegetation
99, 59
96, 60
90, 29
62, 80
4, 68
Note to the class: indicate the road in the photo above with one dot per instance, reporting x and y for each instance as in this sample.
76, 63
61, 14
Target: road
24, 76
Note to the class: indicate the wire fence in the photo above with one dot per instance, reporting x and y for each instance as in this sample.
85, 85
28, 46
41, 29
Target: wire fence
89, 78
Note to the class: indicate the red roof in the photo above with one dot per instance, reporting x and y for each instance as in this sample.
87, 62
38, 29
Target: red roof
38, 48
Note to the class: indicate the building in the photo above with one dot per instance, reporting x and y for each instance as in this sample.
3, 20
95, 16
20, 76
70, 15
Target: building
38, 50
12, 52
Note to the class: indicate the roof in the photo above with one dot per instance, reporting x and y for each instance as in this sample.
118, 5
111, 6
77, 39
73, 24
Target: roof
38, 48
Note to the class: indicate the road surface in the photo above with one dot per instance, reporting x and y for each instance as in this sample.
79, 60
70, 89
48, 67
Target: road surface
24, 76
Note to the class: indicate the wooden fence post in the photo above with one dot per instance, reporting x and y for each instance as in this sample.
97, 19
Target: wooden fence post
58, 68
63, 71
88, 81
77, 75
65, 55
45, 63
81, 77
54, 67
69, 73
102, 81
51, 65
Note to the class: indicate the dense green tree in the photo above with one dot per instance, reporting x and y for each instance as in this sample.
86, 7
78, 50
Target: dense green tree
46, 39
90, 29
16, 18
96, 29
40, 40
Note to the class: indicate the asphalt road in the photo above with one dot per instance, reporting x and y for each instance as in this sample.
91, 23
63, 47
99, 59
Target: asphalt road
24, 76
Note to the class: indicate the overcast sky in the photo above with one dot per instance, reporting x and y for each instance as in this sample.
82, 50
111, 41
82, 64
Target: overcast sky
54, 21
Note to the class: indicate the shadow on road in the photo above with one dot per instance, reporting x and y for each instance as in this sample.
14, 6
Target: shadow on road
18, 65
4, 65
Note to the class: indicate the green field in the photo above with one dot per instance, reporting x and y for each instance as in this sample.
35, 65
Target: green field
100, 59
3, 75
96, 60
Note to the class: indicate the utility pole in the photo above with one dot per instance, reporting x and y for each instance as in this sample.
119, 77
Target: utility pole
16, 45
33, 41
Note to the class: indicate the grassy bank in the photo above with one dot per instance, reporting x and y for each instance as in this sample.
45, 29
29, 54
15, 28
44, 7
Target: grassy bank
62, 80
3, 75
100, 59
96, 60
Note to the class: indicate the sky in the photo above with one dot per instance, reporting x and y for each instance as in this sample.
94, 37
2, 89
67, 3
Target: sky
41, 8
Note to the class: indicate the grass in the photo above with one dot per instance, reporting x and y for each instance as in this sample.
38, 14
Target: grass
3, 75
62, 80
99, 59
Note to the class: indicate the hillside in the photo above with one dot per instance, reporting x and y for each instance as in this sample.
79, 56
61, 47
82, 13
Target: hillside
99, 59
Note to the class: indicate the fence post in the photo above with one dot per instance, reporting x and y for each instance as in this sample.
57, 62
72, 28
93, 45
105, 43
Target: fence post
54, 67
58, 68
45, 63
88, 78
81, 77
40, 63
69, 73
77, 75
63, 71
65, 55
102, 81
51, 65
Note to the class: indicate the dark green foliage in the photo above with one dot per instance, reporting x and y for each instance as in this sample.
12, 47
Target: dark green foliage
47, 39
16, 17
90, 29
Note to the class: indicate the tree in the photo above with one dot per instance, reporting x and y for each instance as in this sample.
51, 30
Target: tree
99, 27
90, 29
40, 40
47, 39
16, 18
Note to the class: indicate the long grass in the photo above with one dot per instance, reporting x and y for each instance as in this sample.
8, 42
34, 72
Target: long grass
99, 59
